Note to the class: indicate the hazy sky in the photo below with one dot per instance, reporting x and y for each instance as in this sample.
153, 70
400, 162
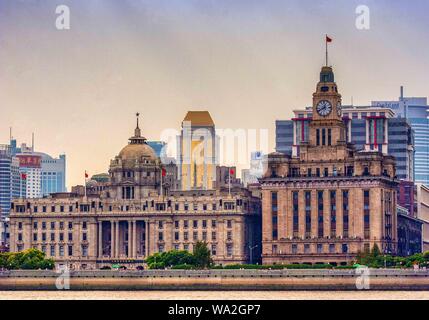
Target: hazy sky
247, 62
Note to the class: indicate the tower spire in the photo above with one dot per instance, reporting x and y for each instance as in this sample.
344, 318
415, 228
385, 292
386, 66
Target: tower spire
137, 132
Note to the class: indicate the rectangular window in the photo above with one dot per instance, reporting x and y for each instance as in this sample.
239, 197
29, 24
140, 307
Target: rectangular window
274, 211
332, 248
52, 251
176, 224
214, 247
61, 251
307, 214
185, 236
229, 223
52, 236
306, 248
195, 235
84, 225
295, 211
185, 224
70, 251
319, 248
84, 251
213, 235
195, 224
52, 225
323, 136
213, 223
320, 214
160, 236
345, 213
329, 137
204, 224
318, 137
176, 236
366, 213
70, 237
333, 205
229, 250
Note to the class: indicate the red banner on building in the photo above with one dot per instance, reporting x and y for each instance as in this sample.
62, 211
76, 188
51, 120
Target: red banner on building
29, 161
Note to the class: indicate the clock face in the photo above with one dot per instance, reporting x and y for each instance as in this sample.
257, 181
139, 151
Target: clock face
324, 108
339, 109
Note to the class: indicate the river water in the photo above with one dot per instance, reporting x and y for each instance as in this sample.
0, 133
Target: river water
214, 295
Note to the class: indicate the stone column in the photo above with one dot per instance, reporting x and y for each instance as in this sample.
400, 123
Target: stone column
100, 239
134, 240
117, 240
112, 239
130, 237
146, 241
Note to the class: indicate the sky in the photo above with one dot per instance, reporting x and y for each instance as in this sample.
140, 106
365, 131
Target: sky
247, 62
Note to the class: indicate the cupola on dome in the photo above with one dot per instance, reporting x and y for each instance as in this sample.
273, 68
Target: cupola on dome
137, 148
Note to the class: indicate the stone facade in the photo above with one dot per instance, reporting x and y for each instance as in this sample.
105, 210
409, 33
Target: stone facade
130, 217
330, 201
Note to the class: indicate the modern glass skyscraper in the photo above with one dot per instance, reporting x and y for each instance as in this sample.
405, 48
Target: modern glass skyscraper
416, 110
53, 173
11, 186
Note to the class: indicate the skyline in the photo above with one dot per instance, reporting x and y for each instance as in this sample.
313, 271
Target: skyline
243, 62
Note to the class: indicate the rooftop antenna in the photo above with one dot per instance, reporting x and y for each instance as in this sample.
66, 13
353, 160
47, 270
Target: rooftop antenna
10, 134
32, 142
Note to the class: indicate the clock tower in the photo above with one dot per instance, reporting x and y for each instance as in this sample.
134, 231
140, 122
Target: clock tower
327, 129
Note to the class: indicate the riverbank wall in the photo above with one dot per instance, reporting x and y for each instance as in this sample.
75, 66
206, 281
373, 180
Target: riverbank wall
287, 279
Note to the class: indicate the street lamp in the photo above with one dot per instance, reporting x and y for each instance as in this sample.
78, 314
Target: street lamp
251, 252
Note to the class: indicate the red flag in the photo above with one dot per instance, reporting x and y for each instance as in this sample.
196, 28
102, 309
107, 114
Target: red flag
86, 174
231, 171
328, 39
23, 176
164, 172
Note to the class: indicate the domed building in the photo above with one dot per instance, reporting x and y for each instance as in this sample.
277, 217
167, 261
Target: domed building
124, 216
135, 173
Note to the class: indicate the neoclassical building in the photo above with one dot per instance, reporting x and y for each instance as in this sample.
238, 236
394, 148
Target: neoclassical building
327, 202
131, 216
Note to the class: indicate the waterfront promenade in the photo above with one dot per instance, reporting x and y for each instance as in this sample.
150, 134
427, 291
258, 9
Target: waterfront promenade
287, 279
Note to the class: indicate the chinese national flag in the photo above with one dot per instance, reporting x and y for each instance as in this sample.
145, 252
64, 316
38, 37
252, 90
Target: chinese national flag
164, 172
86, 175
231, 172
23, 176
328, 39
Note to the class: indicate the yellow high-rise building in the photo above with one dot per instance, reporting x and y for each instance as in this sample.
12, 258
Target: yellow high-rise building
197, 151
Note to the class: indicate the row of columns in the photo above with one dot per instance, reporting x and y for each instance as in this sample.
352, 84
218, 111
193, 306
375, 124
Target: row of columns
115, 242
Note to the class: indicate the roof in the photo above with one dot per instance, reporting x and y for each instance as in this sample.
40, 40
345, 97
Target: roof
199, 118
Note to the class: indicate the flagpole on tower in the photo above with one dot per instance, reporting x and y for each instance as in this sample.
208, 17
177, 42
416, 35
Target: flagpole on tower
326, 49
327, 39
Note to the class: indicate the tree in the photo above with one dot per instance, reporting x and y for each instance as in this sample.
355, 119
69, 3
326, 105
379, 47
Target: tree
170, 259
202, 255
30, 259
